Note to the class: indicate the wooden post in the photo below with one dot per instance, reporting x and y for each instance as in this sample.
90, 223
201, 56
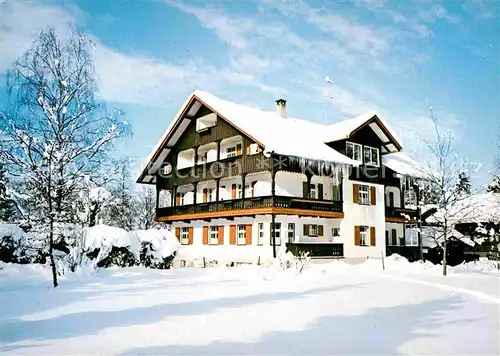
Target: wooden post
218, 150
195, 191
243, 177
173, 196
383, 264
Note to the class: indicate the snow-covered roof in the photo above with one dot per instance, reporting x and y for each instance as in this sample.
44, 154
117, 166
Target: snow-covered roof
478, 208
403, 164
344, 129
287, 136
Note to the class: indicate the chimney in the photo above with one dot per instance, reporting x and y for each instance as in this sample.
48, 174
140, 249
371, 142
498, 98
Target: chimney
281, 107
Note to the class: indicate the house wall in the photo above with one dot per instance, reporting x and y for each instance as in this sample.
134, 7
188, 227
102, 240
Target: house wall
367, 215
227, 253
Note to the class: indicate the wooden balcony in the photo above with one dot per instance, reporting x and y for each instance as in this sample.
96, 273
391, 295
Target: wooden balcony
318, 250
397, 214
252, 206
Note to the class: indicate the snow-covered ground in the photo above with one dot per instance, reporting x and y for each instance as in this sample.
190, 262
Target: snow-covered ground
329, 309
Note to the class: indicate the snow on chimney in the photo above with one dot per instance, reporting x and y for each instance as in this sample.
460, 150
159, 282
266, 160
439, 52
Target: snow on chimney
281, 107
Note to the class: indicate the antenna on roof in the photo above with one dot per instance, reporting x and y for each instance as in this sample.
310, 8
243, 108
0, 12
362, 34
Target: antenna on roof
327, 97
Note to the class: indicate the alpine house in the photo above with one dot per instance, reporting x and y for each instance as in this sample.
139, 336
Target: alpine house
239, 184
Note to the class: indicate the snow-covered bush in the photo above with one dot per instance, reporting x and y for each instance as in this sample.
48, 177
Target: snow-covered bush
297, 262
17, 246
119, 257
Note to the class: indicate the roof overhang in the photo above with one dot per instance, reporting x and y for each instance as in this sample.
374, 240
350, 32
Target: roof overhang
390, 144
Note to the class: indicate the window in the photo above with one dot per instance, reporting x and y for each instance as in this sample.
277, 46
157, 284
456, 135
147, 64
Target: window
184, 235
371, 156
231, 151
277, 234
363, 235
239, 191
181, 198
214, 235
364, 194
336, 192
210, 194
202, 158
241, 233
312, 191
335, 232
390, 201
394, 237
260, 236
353, 151
291, 232
313, 230
411, 235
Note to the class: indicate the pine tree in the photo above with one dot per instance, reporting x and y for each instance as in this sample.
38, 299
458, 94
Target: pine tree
494, 186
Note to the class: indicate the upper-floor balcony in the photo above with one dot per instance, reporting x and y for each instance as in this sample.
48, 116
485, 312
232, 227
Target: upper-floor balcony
400, 204
252, 194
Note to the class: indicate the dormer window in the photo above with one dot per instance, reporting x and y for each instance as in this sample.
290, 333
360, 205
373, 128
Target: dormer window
371, 156
353, 151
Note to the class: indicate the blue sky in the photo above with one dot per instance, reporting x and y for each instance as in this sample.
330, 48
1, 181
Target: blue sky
394, 57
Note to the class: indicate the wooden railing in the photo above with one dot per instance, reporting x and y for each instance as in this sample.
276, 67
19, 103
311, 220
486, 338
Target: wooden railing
395, 212
317, 249
252, 203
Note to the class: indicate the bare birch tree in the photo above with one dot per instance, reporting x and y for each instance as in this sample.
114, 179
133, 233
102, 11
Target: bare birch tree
443, 174
58, 131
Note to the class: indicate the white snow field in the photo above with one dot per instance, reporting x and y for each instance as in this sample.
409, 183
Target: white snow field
329, 309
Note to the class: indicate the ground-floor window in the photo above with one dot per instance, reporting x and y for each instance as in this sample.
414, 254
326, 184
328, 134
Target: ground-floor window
214, 235
260, 234
291, 232
363, 235
242, 234
411, 235
184, 235
313, 230
335, 232
394, 237
277, 233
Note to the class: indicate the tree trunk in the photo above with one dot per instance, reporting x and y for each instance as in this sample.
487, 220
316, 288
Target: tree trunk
51, 254
444, 251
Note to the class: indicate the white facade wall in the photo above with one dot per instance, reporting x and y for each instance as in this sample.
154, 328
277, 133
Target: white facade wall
367, 215
254, 253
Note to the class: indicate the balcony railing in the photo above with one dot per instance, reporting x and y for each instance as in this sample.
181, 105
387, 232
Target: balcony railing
403, 213
251, 203
317, 249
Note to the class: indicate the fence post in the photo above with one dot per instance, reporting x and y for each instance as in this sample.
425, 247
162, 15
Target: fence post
383, 264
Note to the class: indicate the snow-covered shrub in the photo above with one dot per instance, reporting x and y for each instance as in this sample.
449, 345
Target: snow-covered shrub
119, 257
17, 246
146, 256
297, 262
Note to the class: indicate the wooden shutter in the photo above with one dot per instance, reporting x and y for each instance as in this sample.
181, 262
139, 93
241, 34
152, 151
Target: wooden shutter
248, 234
305, 229
205, 235
238, 149
305, 189
178, 199
178, 233
373, 196
221, 235
190, 235
320, 230
232, 235
320, 191
205, 194
372, 236
233, 191
357, 236
355, 193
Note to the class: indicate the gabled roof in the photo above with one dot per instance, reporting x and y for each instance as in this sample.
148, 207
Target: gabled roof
345, 129
287, 136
